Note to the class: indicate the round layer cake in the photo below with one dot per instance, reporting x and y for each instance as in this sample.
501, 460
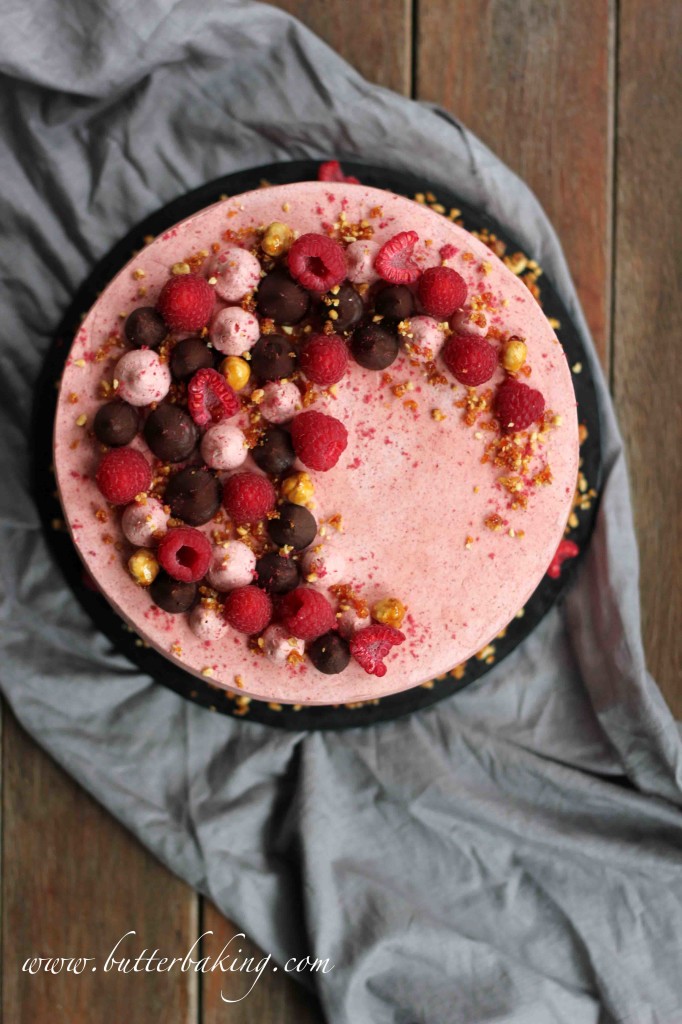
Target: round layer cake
316, 443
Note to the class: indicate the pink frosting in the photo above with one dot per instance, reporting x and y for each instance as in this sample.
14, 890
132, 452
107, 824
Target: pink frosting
144, 522
411, 488
281, 402
233, 566
329, 565
234, 331
223, 446
142, 377
238, 274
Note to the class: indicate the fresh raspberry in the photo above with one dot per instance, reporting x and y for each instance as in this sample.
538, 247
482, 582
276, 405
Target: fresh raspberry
186, 302
441, 291
185, 554
248, 497
317, 262
318, 439
469, 359
210, 398
394, 260
566, 549
517, 406
369, 647
324, 360
123, 473
306, 613
248, 609
332, 171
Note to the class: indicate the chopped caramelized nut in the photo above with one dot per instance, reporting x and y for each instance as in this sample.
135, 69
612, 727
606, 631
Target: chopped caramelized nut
298, 488
389, 611
143, 567
277, 239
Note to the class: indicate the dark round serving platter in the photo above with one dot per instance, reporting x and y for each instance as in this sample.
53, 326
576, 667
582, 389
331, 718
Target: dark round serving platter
147, 659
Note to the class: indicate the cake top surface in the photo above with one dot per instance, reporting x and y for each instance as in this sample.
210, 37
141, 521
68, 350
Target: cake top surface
434, 516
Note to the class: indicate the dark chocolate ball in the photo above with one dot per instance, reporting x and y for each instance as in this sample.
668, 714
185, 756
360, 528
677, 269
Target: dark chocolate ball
295, 526
396, 301
347, 305
274, 452
280, 299
193, 495
188, 356
271, 357
173, 596
171, 434
145, 327
116, 423
277, 574
330, 653
375, 347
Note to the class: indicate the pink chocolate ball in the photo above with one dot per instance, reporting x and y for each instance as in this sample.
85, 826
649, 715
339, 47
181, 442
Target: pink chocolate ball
360, 258
278, 644
470, 321
143, 523
325, 567
425, 332
234, 331
224, 446
142, 377
206, 623
349, 622
233, 566
238, 274
281, 401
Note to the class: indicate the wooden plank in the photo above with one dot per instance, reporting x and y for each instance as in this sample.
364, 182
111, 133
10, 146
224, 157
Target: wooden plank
532, 80
648, 313
74, 881
275, 998
375, 38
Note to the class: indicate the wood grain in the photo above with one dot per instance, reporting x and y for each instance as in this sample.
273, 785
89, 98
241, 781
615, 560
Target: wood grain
74, 881
274, 999
376, 38
648, 314
532, 80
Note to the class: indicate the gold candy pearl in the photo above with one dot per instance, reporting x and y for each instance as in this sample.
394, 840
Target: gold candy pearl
143, 567
514, 355
277, 239
298, 488
389, 612
236, 372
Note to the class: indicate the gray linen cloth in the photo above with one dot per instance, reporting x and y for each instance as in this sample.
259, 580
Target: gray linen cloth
479, 861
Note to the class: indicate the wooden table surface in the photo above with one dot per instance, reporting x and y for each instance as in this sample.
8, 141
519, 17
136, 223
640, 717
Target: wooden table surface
582, 99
